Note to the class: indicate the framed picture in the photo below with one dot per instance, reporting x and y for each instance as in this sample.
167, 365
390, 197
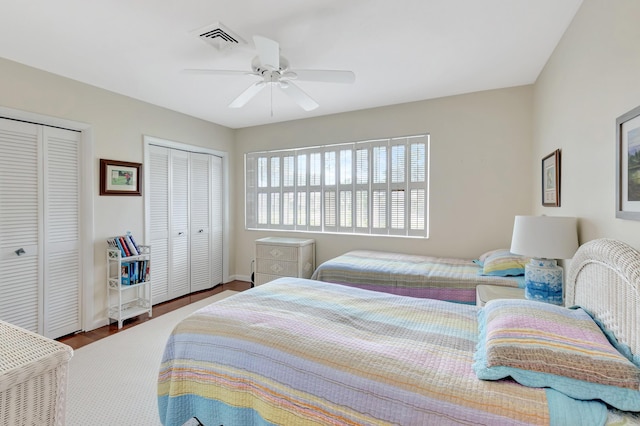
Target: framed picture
628, 165
551, 179
120, 178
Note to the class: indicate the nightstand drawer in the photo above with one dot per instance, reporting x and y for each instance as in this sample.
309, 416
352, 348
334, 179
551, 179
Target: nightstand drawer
282, 253
277, 267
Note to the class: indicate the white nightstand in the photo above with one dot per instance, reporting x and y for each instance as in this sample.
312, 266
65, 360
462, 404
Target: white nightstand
485, 292
284, 257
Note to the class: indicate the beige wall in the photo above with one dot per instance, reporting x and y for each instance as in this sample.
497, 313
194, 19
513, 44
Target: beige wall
118, 124
590, 80
480, 169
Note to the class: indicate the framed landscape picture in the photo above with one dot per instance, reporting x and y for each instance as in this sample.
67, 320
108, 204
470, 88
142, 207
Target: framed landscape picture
551, 179
120, 178
628, 165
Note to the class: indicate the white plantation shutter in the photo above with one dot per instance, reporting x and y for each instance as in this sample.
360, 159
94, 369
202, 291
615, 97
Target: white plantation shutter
315, 191
361, 188
418, 185
374, 187
397, 187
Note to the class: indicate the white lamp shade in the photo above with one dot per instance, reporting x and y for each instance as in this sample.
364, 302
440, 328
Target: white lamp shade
545, 237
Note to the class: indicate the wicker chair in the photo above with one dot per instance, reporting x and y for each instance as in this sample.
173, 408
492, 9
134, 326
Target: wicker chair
33, 378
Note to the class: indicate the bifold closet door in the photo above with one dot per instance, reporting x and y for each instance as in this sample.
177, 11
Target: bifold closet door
186, 214
216, 220
158, 205
39, 228
200, 221
62, 248
179, 225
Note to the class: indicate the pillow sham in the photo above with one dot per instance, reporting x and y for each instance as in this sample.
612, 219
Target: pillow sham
543, 345
503, 263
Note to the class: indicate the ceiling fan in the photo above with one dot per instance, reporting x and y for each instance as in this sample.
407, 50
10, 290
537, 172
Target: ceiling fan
274, 70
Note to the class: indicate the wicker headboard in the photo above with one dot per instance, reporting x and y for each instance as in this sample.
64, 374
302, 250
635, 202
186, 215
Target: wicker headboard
604, 278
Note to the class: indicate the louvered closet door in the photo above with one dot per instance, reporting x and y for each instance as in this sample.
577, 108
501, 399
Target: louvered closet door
39, 228
216, 220
159, 185
179, 225
20, 225
185, 202
62, 232
200, 221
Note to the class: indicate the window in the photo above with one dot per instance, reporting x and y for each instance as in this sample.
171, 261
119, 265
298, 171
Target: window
374, 187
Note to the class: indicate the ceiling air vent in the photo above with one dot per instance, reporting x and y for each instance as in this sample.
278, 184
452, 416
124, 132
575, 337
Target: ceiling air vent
219, 36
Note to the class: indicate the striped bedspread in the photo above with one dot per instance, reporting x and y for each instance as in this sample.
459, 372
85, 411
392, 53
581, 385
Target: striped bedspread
450, 279
302, 352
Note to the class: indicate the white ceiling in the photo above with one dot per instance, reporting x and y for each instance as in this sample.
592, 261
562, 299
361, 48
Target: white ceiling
400, 51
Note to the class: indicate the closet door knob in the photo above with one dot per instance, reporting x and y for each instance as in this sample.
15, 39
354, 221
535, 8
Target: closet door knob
180, 233
20, 251
201, 231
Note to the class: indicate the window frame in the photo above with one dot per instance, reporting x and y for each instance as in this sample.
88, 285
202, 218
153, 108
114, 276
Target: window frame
340, 184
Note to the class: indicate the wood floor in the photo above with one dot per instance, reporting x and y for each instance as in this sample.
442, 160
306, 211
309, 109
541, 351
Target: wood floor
78, 340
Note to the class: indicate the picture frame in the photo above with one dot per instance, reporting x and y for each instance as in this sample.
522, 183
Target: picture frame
551, 179
628, 165
120, 177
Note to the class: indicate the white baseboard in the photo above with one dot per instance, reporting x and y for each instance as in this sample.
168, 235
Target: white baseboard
246, 278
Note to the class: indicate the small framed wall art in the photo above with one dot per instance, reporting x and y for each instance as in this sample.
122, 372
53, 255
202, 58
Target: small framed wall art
551, 179
120, 178
628, 165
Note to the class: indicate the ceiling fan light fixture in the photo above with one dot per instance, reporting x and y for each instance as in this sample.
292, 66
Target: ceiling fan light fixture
274, 69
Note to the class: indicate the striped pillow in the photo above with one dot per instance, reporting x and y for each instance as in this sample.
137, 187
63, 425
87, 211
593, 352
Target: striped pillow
544, 345
503, 263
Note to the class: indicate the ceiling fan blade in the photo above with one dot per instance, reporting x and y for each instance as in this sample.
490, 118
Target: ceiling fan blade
268, 51
301, 98
246, 96
216, 72
326, 76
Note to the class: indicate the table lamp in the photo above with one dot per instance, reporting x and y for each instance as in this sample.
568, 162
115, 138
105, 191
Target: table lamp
544, 239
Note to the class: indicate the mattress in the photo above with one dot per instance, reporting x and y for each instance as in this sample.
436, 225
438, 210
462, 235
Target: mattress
449, 279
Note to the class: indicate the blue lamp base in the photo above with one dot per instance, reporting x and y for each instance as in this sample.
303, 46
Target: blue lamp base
543, 281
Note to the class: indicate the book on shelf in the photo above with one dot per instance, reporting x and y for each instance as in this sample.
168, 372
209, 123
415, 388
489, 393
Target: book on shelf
125, 273
133, 241
132, 248
123, 244
126, 244
119, 244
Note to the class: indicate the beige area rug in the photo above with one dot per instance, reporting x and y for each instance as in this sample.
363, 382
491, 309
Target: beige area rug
112, 382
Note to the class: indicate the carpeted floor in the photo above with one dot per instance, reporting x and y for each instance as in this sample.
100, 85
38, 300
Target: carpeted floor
112, 382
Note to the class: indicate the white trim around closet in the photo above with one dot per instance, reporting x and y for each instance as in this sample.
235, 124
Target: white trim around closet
86, 208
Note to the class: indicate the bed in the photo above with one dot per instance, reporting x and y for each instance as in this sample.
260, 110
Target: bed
297, 351
450, 279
